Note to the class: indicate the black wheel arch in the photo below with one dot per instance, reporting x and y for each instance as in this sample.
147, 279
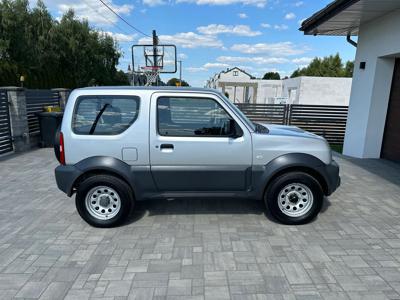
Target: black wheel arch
103, 165
294, 162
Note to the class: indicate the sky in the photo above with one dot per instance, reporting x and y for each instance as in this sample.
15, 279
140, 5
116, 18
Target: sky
212, 35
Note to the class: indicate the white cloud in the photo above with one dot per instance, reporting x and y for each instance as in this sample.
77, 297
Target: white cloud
299, 3
258, 3
274, 49
154, 2
207, 67
302, 60
187, 40
92, 10
215, 65
242, 16
265, 25
182, 56
290, 16
259, 60
121, 37
195, 69
240, 30
281, 27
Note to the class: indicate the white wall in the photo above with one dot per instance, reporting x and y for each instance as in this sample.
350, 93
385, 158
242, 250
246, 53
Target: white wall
325, 90
268, 89
378, 45
317, 90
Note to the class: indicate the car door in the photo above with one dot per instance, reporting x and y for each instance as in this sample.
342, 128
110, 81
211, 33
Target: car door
192, 147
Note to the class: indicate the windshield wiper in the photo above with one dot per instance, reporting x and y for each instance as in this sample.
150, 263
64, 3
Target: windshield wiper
93, 128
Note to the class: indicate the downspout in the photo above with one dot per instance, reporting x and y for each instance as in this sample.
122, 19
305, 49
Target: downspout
350, 41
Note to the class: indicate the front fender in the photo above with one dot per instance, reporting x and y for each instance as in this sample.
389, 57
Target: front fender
327, 175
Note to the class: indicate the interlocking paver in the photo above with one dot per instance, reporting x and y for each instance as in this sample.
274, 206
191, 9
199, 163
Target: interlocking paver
199, 249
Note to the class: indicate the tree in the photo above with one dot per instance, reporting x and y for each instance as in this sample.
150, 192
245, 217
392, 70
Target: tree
330, 66
174, 81
50, 53
272, 75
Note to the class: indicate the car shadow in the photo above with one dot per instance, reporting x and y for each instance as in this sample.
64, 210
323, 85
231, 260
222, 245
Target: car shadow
199, 206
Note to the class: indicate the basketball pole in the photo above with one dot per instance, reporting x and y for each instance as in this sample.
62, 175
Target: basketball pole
155, 44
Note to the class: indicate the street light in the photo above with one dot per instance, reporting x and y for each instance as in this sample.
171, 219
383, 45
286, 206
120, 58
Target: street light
180, 72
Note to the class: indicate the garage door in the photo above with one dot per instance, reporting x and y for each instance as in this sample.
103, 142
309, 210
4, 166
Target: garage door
391, 137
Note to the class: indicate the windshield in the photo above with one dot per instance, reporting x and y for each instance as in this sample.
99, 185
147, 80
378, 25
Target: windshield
238, 112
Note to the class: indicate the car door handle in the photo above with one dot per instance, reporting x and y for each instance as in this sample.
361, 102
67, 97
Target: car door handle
166, 146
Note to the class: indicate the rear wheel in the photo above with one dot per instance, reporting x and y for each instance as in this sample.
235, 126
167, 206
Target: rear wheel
294, 198
104, 200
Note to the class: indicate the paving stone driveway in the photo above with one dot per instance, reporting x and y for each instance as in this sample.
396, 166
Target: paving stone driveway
196, 249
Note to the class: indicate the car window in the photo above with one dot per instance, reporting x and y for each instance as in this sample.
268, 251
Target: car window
192, 117
104, 115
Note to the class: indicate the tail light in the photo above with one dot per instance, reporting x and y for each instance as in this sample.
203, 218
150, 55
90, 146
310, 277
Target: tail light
62, 149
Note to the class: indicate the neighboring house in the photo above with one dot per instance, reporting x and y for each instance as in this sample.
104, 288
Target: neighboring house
373, 127
244, 88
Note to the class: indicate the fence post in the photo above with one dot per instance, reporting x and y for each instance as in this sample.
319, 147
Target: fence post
63, 95
18, 118
286, 118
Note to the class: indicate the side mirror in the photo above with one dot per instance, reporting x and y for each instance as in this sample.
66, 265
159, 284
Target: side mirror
234, 129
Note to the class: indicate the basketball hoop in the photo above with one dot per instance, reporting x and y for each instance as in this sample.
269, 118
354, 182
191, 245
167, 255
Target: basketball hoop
151, 73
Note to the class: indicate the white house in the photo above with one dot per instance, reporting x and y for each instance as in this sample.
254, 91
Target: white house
242, 87
373, 126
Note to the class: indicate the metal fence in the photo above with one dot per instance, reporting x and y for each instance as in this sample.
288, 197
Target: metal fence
5, 125
267, 113
324, 120
327, 121
35, 100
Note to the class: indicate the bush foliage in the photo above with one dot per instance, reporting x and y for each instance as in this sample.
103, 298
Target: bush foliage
330, 66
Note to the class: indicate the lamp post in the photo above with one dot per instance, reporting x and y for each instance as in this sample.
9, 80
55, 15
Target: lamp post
180, 72
21, 80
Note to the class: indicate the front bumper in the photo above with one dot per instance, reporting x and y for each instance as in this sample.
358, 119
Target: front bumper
332, 178
65, 178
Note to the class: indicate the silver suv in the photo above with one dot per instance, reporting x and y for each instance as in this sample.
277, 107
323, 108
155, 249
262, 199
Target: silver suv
121, 145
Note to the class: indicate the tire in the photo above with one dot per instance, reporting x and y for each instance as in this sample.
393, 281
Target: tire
57, 143
104, 200
294, 198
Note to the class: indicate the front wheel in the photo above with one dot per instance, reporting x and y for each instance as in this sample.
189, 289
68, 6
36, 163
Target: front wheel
294, 198
104, 200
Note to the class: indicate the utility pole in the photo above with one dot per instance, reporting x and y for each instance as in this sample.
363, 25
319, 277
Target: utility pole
180, 72
155, 51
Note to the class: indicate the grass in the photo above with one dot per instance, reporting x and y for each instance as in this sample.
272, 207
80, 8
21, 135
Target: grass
337, 148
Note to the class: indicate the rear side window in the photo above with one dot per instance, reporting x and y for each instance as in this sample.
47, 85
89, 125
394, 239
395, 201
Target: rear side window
104, 115
192, 117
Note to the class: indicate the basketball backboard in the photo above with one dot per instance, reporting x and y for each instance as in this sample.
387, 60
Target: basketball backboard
161, 58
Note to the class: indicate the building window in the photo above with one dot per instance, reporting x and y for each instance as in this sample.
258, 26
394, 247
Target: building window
235, 73
192, 117
104, 115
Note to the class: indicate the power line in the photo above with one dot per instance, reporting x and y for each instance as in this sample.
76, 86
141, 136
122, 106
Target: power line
125, 21
104, 18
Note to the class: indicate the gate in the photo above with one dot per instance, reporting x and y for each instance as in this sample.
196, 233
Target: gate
5, 125
35, 100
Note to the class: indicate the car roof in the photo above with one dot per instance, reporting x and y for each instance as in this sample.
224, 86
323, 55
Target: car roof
148, 88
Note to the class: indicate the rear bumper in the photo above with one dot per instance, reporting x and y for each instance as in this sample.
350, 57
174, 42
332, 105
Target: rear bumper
331, 174
65, 178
